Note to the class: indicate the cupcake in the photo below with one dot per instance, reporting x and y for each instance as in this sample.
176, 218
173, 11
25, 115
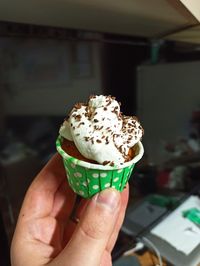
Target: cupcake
99, 146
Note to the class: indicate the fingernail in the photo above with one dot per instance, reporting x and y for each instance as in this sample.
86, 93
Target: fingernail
109, 198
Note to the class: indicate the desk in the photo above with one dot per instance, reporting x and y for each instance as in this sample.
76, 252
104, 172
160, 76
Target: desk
171, 236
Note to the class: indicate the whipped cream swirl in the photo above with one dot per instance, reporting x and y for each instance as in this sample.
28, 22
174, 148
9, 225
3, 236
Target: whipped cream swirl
100, 131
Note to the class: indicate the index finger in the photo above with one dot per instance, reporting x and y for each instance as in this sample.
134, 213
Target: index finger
39, 198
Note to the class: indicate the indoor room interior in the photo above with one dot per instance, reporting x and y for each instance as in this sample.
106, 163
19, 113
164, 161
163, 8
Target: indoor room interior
54, 54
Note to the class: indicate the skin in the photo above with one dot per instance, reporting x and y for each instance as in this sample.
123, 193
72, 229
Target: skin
45, 235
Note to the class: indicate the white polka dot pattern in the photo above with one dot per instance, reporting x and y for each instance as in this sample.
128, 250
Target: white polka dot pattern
103, 175
81, 192
119, 171
77, 174
73, 165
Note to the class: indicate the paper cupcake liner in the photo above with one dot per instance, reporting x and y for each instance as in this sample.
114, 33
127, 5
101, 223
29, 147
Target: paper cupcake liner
87, 179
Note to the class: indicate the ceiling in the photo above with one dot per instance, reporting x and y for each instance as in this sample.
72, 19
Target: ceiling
146, 18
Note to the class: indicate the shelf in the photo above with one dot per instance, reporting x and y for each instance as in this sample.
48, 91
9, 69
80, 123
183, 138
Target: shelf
151, 19
188, 159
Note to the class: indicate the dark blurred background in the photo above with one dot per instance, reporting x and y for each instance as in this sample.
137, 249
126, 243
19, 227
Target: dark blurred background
142, 60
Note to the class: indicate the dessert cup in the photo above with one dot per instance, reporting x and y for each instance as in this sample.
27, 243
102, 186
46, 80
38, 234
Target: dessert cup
86, 179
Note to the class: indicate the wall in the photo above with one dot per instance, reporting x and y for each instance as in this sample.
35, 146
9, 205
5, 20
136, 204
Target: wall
30, 97
167, 95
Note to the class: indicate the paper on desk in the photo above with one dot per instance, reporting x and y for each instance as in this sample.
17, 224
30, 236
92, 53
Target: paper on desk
178, 231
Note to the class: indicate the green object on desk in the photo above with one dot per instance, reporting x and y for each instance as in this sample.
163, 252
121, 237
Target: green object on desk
193, 215
162, 201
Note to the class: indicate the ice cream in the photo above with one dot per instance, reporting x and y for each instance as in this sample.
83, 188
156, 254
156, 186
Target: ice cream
100, 132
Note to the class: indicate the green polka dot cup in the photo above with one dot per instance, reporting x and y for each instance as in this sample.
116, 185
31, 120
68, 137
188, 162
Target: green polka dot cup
87, 179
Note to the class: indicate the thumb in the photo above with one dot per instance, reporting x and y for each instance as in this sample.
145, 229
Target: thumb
94, 230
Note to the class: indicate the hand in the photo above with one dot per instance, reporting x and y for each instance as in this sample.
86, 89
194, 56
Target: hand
45, 235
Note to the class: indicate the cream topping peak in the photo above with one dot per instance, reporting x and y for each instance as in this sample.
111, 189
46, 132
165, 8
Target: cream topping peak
100, 132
